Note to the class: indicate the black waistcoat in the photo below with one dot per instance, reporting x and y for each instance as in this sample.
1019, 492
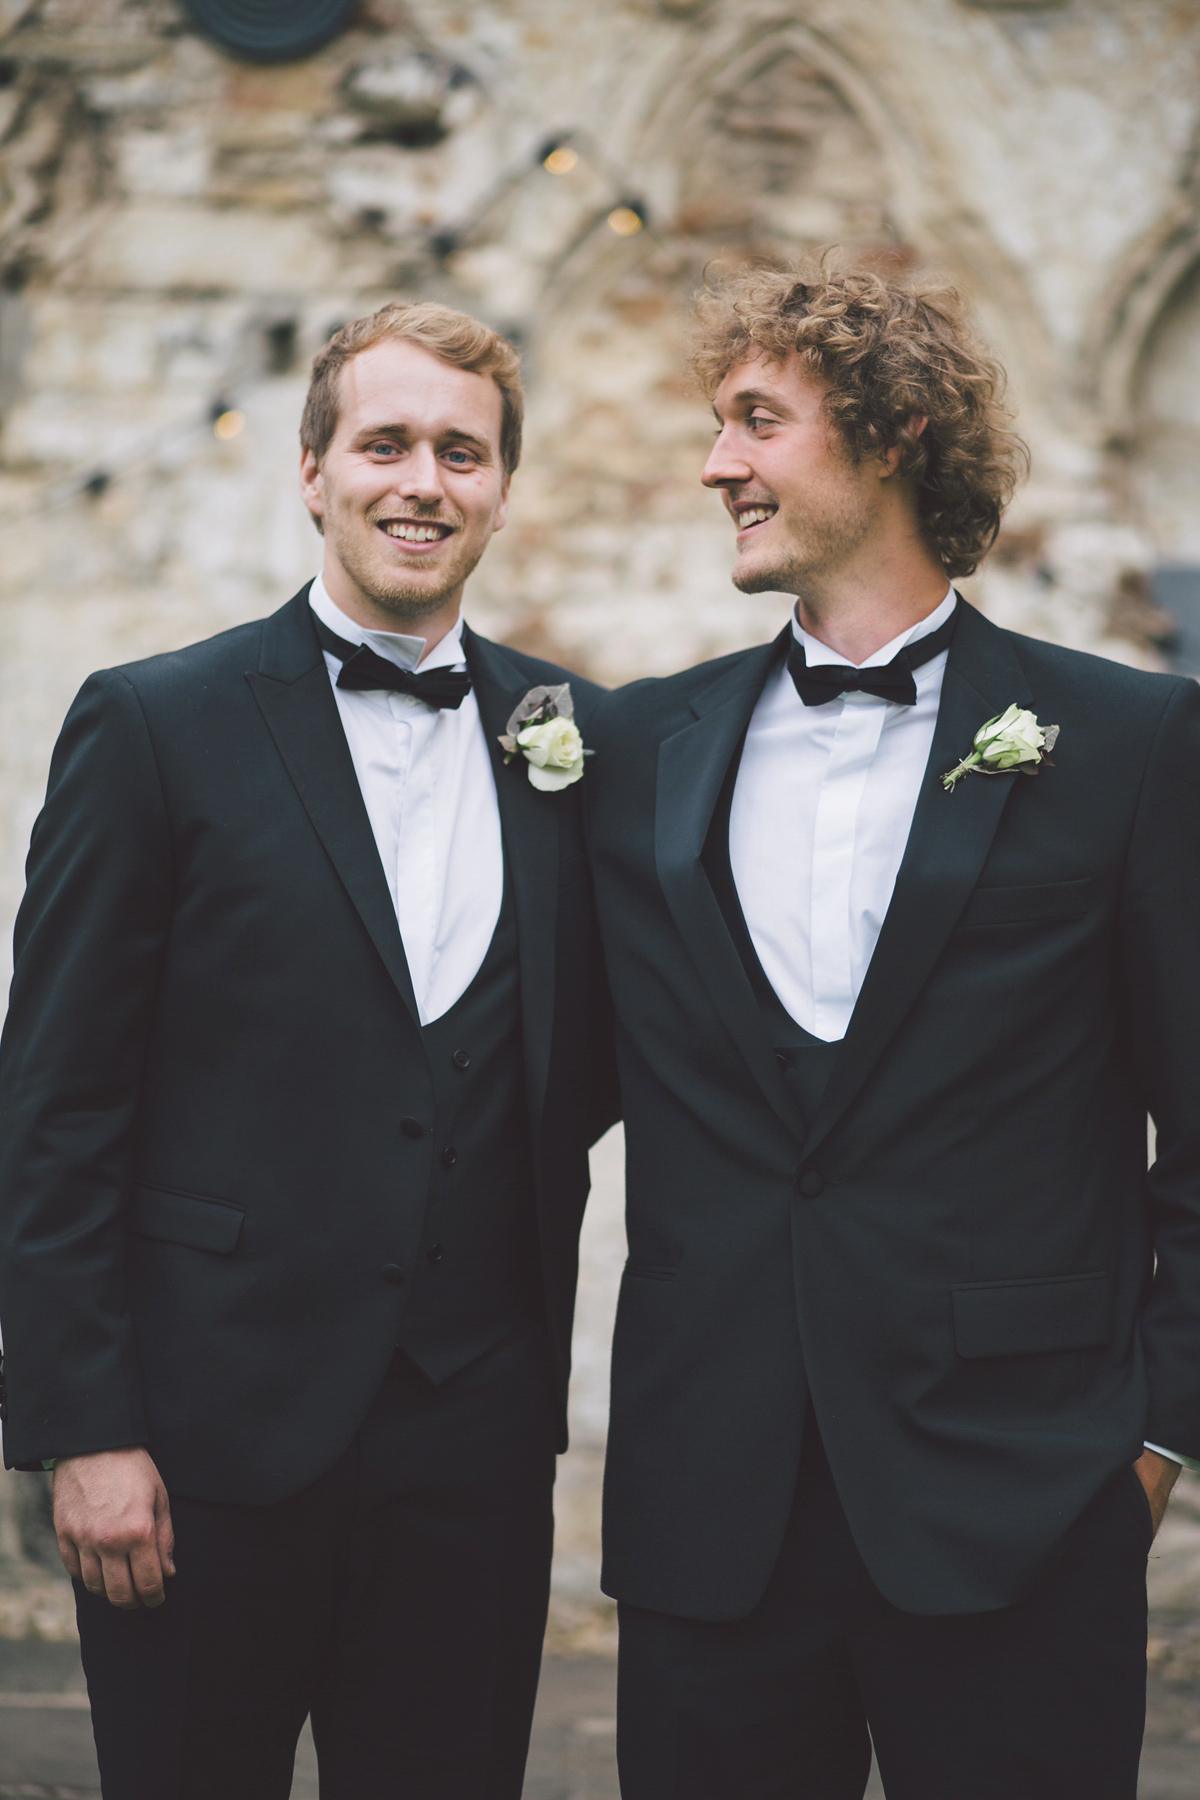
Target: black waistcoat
476, 1274
806, 1061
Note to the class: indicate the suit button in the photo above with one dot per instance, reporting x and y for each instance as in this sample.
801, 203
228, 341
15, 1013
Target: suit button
449, 1156
394, 1273
811, 1183
461, 1060
412, 1128
435, 1253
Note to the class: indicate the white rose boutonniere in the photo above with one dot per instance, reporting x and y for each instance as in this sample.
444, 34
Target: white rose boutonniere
1013, 742
544, 732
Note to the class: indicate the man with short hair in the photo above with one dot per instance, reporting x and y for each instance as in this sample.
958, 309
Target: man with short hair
908, 1346
307, 1044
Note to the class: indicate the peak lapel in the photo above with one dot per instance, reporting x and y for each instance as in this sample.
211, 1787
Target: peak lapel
947, 846
691, 768
529, 829
292, 688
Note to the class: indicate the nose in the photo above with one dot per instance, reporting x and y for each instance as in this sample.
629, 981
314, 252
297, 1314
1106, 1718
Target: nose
420, 476
725, 466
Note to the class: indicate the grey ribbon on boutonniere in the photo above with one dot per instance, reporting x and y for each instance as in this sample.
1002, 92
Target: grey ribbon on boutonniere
542, 729
1013, 743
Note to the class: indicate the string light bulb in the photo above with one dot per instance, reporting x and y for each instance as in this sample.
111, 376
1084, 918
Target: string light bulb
227, 425
560, 160
627, 219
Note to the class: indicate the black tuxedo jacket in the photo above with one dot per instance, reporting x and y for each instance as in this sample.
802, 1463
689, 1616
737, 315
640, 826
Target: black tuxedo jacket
955, 1255
212, 1055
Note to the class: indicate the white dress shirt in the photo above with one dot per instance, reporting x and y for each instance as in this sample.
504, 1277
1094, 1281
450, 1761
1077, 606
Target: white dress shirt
430, 794
821, 812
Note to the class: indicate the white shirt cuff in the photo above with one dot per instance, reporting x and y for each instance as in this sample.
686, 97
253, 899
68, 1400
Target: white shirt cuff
1189, 1462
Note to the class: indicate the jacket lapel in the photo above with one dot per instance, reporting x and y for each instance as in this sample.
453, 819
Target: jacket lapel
529, 828
691, 768
947, 846
293, 691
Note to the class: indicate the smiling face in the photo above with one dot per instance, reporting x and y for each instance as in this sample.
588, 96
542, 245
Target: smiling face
804, 509
411, 487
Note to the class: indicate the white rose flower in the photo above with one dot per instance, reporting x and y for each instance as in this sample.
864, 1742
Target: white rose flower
1015, 737
1012, 741
554, 752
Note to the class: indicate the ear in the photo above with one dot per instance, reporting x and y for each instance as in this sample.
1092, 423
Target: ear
912, 428
312, 486
501, 518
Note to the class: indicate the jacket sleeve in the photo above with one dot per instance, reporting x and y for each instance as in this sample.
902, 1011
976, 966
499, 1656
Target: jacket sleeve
604, 1091
1160, 954
88, 946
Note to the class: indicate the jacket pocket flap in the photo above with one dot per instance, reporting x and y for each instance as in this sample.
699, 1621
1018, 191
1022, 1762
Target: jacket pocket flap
1029, 905
185, 1219
1029, 1318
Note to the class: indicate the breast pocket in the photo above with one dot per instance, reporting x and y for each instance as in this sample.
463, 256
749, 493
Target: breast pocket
200, 1224
1045, 904
1033, 1318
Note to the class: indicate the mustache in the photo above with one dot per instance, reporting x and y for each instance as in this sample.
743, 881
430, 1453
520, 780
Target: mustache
415, 514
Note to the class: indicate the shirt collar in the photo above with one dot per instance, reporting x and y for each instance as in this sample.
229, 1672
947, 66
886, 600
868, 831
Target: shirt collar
405, 652
816, 653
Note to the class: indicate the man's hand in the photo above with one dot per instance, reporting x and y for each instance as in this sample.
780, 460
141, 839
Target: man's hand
113, 1524
1158, 1475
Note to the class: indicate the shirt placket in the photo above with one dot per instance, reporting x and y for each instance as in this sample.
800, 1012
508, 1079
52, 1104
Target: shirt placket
842, 786
416, 856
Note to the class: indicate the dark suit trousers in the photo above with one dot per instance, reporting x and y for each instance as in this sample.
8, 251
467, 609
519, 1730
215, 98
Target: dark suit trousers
1043, 1700
401, 1600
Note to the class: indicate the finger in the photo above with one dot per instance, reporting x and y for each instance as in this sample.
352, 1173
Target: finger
147, 1574
164, 1532
118, 1581
90, 1573
69, 1552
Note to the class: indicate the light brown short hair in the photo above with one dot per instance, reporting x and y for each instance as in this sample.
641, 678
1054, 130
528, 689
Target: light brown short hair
454, 336
890, 351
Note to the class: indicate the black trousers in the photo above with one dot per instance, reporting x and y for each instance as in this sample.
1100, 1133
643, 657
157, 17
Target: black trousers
1043, 1700
401, 1600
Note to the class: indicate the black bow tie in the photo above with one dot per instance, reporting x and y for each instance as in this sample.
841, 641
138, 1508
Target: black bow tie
892, 681
362, 670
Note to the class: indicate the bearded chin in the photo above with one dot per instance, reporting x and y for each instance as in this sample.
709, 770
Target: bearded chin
392, 590
759, 580
399, 598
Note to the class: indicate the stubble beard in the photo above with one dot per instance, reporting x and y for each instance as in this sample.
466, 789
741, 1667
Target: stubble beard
395, 591
817, 544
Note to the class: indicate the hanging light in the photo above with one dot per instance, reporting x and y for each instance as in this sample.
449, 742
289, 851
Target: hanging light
627, 219
560, 160
228, 424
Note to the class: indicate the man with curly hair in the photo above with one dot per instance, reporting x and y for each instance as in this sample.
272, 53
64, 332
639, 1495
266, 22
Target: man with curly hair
908, 1348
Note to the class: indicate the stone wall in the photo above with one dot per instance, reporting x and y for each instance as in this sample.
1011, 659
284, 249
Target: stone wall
180, 231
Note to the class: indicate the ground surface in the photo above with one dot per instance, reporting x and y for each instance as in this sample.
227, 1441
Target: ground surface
46, 1742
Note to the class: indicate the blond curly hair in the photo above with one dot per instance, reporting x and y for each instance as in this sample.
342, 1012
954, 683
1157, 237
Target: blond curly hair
889, 351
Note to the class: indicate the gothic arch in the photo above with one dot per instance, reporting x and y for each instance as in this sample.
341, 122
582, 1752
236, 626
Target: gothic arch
1117, 345
764, 145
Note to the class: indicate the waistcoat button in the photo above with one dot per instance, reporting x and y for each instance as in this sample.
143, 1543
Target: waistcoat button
394, 1273
812, 1183
435, 1253
412, 1128
461, 1060
449, 1156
